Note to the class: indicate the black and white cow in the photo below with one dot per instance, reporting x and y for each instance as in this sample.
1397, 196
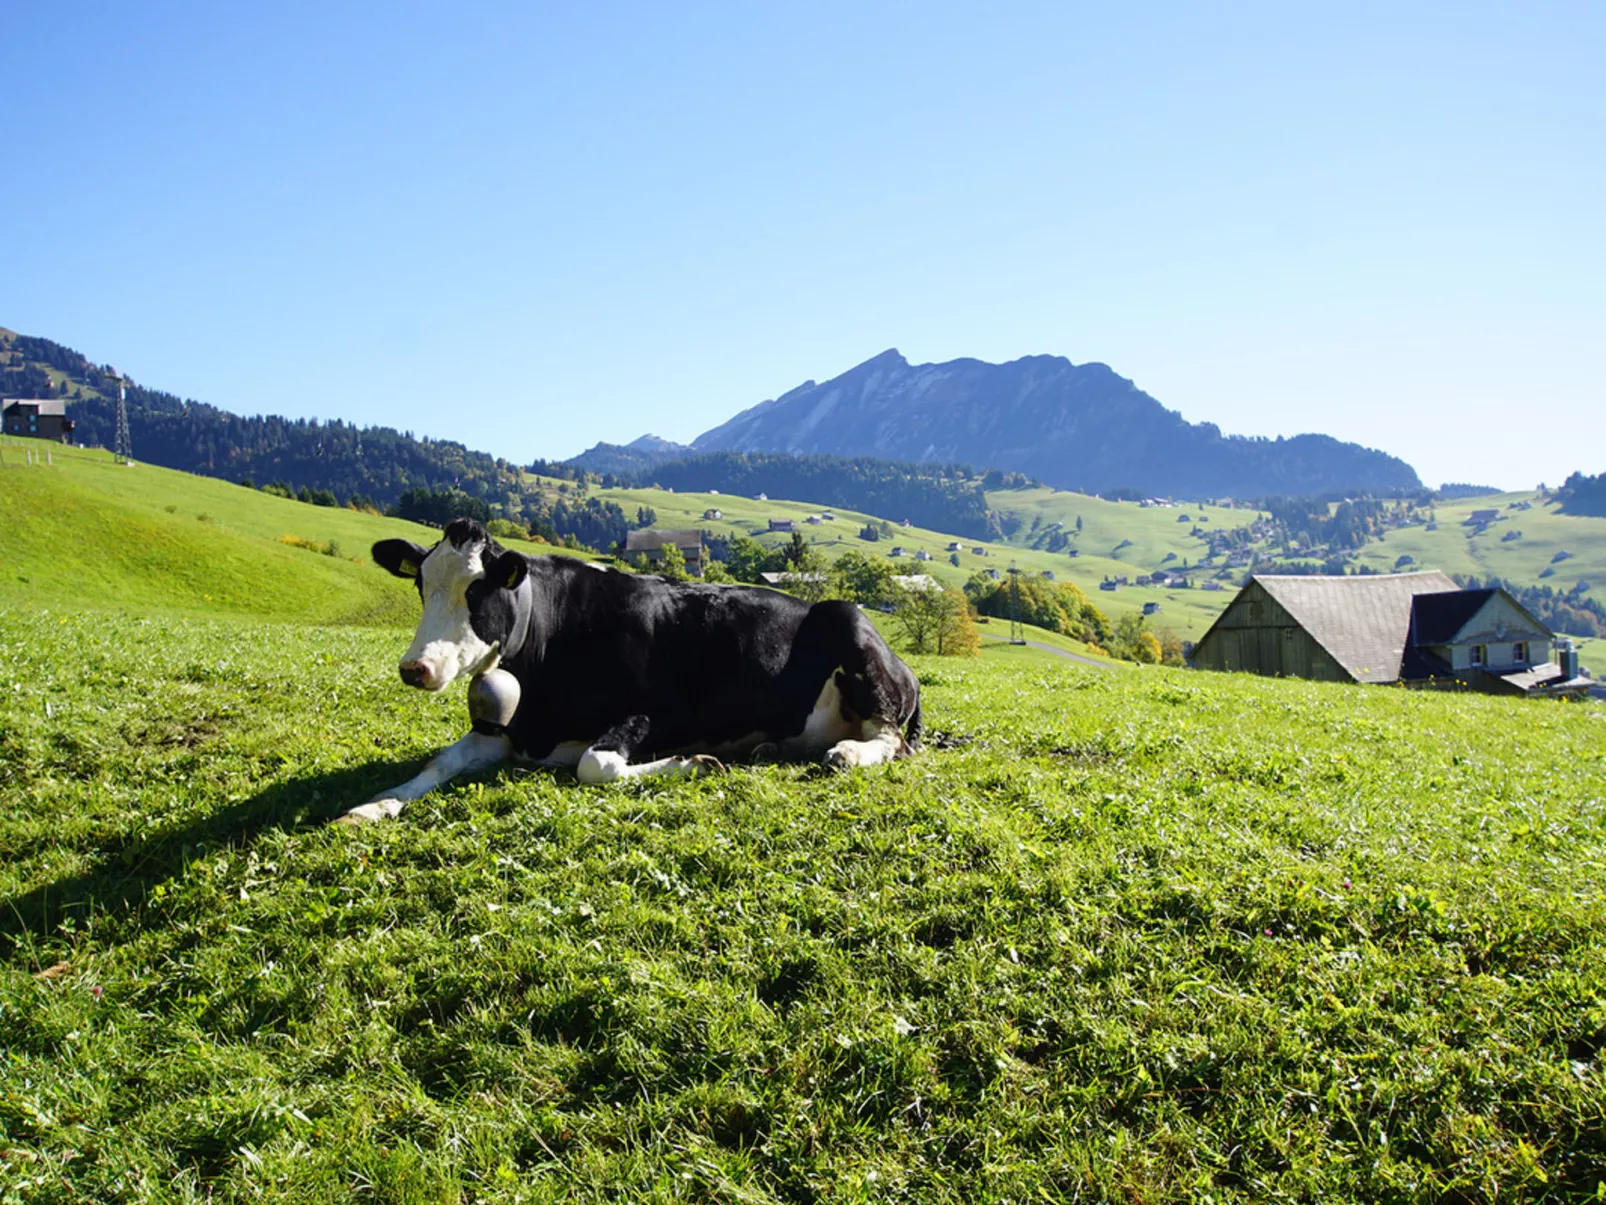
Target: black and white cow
618, 675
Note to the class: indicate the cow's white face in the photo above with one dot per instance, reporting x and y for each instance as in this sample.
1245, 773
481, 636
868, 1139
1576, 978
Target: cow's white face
446, 644
467, 617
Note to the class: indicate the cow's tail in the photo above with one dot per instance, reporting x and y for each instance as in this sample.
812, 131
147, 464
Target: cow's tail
913, 730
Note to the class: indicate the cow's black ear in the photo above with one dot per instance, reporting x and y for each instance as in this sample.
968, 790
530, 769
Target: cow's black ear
402, 557
508, 570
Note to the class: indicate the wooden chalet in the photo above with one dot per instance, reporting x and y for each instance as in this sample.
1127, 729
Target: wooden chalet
1419, 629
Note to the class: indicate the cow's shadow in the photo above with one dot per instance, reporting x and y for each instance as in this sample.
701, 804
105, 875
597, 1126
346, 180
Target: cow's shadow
126, 868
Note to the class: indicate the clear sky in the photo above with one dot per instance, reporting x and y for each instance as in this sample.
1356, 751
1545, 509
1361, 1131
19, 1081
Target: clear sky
531, 226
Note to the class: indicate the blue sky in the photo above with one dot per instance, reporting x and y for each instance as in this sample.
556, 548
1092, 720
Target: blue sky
530, 227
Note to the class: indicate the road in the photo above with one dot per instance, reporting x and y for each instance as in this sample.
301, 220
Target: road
1058, 652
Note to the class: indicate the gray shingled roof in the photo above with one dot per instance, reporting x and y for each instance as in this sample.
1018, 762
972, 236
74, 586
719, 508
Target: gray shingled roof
1362, 621
651, 540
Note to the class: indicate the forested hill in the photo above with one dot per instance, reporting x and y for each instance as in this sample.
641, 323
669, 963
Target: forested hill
372, 463
943, 497
378, 465
1581, 495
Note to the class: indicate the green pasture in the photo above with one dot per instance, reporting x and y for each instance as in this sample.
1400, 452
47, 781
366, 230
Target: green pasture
1540, 533
1139, 935
1113, 935
89, 532
1188, 612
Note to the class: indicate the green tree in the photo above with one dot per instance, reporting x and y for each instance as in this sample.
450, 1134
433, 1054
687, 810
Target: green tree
672, 567
748, 558
862, 579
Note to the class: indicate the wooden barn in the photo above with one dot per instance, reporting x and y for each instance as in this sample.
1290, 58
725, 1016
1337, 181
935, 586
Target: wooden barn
651, 543
1417, 628
1331, 629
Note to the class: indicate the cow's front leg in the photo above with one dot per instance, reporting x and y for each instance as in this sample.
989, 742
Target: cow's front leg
608, 758
881, 745
475, 751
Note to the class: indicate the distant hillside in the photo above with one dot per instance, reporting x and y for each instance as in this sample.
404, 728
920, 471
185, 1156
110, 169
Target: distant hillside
629, 460
1074, 426
373, 466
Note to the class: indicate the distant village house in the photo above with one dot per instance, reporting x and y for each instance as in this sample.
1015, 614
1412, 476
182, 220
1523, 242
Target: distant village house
651, 544
40, 418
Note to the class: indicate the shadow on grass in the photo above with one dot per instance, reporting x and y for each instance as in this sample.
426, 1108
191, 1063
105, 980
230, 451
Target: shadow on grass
128, 867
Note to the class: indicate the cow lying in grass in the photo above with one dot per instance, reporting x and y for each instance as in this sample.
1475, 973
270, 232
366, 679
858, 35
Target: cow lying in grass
619, 676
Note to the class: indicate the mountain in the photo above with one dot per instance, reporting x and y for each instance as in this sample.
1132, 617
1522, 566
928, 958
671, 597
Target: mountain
632, 459
1076, 426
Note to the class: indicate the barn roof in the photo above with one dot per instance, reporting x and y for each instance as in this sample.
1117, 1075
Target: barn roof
1362, 621
1437, 618
649, 540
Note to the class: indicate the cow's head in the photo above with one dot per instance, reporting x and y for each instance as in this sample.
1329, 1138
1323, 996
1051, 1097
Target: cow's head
470, 587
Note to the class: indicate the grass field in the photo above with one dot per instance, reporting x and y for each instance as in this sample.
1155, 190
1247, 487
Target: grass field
1140, 935
148, 540
1115, 935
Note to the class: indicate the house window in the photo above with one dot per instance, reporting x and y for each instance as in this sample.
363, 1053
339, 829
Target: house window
1480, 654
1519, 653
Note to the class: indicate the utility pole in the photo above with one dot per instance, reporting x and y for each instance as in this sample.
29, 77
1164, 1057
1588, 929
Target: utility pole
1017, 634
125, 444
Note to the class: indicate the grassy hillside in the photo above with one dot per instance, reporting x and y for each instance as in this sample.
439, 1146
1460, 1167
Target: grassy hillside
1188, 612
87, 531
1117, 935
1114, 936
1538, 534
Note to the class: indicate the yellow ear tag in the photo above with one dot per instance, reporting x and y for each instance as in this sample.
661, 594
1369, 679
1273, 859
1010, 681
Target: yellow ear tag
409, 568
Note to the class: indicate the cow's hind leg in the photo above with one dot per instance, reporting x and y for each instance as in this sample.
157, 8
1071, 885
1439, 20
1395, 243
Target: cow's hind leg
475, 751
608, 759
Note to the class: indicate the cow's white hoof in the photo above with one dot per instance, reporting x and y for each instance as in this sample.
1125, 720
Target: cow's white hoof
704, 764
378, 809
842, 757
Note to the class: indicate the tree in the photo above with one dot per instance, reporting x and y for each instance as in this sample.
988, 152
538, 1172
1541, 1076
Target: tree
672, 568
935, 620
811, 576
957, 636
748, 558
862, 579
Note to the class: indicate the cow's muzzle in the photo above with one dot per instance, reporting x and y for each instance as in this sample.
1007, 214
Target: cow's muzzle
416, 673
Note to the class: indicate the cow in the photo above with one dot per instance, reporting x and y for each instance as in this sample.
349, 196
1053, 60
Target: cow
617, 675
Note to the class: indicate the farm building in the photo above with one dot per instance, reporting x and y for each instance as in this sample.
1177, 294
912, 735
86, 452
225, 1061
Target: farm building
782, 525
651, 544
42, 418
713, 512
1416, 628
783, 581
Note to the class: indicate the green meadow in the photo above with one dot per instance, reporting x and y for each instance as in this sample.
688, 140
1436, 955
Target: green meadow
1187, 612
1114, 935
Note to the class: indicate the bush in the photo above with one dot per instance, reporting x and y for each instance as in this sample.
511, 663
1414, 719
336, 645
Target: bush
506, 529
